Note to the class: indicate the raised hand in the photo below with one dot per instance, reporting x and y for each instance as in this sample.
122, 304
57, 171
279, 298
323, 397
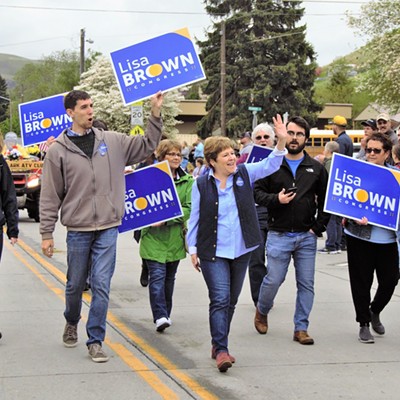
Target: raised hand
280, 132
156, 103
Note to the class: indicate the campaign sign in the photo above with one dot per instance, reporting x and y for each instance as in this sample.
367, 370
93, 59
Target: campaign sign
150, 197
258, 153
359, 189
162, 63
42, 118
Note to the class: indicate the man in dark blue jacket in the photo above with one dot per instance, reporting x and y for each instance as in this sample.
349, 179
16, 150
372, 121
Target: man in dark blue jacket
294, 196
339, 124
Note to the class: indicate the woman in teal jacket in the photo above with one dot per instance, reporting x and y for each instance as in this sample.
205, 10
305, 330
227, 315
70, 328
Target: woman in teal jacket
162, 245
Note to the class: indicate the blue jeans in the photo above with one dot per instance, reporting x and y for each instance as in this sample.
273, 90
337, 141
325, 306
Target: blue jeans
280, 249
224, 279
161, 287
334, 233
98, 249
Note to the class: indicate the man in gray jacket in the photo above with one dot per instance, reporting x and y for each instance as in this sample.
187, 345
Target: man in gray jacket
83, 176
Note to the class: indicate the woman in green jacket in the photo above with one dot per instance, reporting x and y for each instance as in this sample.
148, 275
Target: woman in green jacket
162, 245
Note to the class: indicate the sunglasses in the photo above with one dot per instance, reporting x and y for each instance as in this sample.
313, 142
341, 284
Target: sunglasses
261, 137
370, 150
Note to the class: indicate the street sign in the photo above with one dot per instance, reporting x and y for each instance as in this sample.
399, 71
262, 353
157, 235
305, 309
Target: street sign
137, 130
137, 113
251, 108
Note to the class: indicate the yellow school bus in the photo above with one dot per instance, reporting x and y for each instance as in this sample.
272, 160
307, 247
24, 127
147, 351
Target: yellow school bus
318, 139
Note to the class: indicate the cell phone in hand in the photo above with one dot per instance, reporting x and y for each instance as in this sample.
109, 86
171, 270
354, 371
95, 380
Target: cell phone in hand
291, 190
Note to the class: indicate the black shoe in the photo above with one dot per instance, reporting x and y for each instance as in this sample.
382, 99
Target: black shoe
144, 276
365, 335
0, 335
377, 324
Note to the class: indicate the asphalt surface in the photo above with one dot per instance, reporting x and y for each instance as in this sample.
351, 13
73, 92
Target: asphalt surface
145, 364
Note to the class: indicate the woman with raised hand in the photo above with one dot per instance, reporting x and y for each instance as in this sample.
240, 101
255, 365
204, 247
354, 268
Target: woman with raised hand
223, 230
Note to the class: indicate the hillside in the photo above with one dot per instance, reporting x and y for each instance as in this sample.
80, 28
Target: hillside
10, 64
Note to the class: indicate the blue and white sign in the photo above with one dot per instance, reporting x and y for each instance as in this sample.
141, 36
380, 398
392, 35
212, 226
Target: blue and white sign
258, 153
42, 118
359, 189
150, 197
162, 63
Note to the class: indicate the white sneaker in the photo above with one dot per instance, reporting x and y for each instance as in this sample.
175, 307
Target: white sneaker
162, 323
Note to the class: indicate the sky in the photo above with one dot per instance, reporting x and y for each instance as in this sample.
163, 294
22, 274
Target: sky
36, 28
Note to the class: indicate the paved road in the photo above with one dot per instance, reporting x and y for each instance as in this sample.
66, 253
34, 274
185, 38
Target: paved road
176, 364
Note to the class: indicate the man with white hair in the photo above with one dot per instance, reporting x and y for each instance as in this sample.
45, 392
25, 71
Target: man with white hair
262, 135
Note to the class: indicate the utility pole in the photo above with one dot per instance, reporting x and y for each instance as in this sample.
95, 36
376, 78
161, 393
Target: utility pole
82, 53
223, 79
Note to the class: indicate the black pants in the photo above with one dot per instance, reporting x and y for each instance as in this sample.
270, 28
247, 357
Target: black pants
363, 259
257, 265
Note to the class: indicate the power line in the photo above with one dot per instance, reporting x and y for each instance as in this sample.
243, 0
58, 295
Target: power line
102, 10
168, 12
33, 41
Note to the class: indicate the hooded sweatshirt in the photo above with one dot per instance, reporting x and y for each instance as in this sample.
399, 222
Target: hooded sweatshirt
90, 191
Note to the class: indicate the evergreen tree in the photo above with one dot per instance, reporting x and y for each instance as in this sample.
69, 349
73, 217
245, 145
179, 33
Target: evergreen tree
269, 64
3, 103
100, 82
341, 86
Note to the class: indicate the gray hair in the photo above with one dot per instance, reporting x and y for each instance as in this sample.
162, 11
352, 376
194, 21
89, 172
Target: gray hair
332, 146
264, 127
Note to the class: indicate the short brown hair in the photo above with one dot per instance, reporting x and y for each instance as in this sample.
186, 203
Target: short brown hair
214, 145
165, 146
379, 137
72, 98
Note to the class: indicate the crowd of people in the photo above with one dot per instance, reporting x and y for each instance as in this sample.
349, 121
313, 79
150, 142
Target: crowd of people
272, 211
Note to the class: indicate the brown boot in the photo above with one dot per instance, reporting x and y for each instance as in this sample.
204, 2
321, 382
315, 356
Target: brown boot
223, 361
261, 323
303, 337
214, 355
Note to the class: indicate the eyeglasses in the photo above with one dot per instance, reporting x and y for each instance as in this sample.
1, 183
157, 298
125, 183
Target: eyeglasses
296, 134
370, 150
262, 137
172, 154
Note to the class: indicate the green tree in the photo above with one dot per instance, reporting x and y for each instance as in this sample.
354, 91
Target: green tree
100, 82
380, 21
268, 63
3, 103
57, 73
340, 86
